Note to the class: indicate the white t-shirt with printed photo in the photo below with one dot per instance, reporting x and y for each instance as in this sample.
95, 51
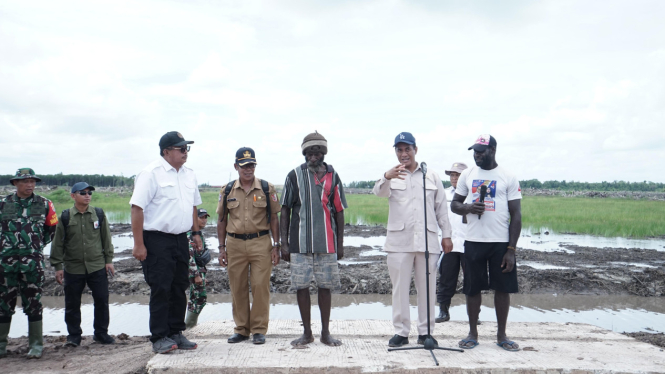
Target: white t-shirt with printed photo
502, 187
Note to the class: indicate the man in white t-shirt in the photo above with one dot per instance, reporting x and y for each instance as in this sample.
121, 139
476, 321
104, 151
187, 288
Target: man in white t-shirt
163, 210
450, 263
494, 217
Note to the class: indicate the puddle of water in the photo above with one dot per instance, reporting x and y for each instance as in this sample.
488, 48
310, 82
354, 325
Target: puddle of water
372, 241
129, 314
123, 242
537, 240
351, 262
622, 264
373, 252
541, 266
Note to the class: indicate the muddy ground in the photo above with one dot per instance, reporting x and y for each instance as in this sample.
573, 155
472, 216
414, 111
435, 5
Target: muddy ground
588, 270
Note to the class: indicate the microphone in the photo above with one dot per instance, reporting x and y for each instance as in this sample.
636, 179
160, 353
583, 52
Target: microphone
423, 166
483, 192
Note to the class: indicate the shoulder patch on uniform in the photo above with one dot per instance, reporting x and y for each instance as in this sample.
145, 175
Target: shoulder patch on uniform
273, 197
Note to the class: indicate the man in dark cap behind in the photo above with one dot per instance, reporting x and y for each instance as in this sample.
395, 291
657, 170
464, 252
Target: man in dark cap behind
28, 223
489, 247
312, 223
163, 210
83, 245
247, 212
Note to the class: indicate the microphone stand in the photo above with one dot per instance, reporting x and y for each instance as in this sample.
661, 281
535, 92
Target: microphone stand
429, 345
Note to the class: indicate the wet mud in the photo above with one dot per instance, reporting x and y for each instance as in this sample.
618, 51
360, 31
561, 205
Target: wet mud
579, 270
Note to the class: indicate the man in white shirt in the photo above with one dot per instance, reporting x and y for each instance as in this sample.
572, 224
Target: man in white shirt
163, 210
405, 239
494, 217
449, 264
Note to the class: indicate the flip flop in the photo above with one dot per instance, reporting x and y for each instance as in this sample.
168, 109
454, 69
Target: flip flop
462, 343
508, 345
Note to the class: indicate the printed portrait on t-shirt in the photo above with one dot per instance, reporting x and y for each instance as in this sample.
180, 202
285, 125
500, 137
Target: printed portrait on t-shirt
489, 196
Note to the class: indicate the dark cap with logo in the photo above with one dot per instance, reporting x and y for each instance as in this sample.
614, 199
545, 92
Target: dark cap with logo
25, 173
173, 139
245, 155
202, 212
404, 137
80, 186
483, 142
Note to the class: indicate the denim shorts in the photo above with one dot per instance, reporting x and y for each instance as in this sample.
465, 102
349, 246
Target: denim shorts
319, 266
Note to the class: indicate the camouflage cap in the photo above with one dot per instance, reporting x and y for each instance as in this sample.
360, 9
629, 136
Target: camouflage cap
25, 173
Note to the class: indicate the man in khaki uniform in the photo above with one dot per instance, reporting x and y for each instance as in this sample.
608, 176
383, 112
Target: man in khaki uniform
247, 215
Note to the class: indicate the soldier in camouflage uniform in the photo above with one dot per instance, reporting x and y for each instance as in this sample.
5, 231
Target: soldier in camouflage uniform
28, 223
197, 276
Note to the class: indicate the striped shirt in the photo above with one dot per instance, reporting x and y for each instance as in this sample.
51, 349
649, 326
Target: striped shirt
313, 205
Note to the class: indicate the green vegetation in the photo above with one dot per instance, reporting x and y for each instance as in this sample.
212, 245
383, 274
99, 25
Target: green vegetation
602, 186
603, 217
559, 185
60, 179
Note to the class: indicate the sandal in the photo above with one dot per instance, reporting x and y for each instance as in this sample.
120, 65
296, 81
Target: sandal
509, 345
463, 343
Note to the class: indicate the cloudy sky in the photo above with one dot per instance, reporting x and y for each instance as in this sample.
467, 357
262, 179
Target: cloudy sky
571, 90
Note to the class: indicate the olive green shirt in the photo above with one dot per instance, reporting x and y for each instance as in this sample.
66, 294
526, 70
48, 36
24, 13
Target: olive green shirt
88, 246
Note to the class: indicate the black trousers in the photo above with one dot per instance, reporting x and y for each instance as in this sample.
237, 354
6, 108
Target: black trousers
74, 285
166, 271
448, 273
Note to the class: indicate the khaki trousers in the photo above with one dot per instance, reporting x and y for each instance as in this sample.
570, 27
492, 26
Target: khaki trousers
251, 256
400, 265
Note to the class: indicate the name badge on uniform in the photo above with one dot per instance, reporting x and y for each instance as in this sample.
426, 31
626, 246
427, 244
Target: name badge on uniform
232, 199
96, 224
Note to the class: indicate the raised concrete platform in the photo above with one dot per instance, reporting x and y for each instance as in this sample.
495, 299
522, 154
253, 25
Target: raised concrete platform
546, 348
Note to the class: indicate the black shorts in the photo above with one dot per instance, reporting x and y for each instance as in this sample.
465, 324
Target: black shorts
478, 258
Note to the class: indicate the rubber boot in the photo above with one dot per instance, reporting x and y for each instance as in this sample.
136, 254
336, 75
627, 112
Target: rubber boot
443, 314
4, 332
191, 320
35, 339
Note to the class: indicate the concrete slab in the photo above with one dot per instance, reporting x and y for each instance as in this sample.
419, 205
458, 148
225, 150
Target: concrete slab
546, 348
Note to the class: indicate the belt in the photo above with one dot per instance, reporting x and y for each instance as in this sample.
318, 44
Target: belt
249, 236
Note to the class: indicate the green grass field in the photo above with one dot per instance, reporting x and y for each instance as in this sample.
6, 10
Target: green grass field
603, 217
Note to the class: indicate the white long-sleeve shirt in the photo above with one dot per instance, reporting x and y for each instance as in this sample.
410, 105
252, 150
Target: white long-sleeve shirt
406, 229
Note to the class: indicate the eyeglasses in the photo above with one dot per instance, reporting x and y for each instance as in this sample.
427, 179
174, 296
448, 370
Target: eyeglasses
183, 149
248, 166
83, 193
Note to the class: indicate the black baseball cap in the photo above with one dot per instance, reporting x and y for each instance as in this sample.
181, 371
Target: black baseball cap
202, 212
483, 142
80, 186
173, 139
245, 155
404, 137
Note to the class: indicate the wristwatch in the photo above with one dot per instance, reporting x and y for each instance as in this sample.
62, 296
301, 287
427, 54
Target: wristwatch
196, 233
276, 244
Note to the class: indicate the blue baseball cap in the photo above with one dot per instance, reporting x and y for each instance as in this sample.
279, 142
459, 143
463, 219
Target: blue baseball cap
244, 156
80, 186
404, 137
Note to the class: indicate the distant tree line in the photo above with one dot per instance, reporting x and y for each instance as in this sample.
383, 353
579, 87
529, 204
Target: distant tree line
96, 180
561, 185
370, 184
601, 186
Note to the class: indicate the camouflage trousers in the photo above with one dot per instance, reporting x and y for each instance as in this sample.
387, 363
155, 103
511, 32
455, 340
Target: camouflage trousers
197, 295
22, 275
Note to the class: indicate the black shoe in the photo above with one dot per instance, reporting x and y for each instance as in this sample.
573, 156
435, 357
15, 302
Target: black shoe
258, 339
398, 341
421, 340
103, 338
444, 316
73, 341
237, 338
